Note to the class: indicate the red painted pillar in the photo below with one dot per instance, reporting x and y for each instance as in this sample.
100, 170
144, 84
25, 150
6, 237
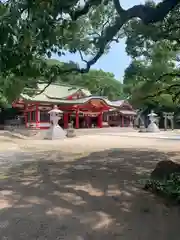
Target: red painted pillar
100, 120
37, 115
77, 118
25, 115
65, 120
90, 121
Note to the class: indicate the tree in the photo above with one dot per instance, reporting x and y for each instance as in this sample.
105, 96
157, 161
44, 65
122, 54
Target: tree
100, 83
36, 28
141, 77
141, 37
33, 30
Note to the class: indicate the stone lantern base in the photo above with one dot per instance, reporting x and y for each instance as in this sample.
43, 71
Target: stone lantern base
55, 132
152, 127
70, 131
142, 128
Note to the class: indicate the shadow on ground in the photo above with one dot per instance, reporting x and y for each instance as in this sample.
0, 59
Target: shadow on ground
96, 197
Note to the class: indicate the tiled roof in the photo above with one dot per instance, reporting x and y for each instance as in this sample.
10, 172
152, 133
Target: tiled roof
117, 103
43, 98
55, 92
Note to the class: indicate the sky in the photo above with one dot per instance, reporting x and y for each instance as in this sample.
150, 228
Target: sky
116, 60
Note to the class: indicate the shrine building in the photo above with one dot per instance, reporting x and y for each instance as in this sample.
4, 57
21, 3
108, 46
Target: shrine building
78, 105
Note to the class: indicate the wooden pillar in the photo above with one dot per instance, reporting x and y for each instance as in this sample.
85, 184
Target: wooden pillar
87, 121
77, 118
25, 115
107, 117
122, 121
65, 118
100, 120
90, 121
30, 117
129, 119
37, 115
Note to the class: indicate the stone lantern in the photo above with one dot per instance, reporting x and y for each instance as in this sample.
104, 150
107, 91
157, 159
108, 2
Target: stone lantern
152, 127
55, 131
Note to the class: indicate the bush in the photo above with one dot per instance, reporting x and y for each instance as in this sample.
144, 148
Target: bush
168, 188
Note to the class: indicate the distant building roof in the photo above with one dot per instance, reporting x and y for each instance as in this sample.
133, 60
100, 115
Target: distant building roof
55, 92
118, 103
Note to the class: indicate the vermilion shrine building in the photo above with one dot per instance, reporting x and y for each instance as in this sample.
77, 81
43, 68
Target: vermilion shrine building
78, 105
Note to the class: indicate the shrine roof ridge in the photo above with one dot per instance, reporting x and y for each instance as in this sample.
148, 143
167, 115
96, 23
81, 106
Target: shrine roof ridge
54, 91
45, 99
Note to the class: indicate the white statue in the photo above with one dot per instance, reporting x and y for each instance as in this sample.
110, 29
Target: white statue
55, 131
152, 127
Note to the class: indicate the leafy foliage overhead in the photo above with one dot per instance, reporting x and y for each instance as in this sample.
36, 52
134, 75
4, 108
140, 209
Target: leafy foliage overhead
153, 75
139, 36
32, 29
141, 79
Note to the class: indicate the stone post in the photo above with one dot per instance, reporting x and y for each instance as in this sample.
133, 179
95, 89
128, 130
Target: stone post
70, 130
165, 121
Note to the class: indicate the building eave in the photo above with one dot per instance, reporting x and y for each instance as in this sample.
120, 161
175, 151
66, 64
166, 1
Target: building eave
70, 102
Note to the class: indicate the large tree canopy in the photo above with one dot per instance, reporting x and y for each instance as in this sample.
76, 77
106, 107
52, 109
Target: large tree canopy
141, 37
99, 83
32, 30
150, 60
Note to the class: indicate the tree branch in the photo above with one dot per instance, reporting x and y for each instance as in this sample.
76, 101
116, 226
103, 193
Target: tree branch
152, 14
84, 10
172, 74
145, 13
82, 59
165, 90
118, 7
48, 84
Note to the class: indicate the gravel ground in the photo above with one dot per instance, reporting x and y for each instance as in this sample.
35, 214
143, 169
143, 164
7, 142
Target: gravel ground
84, 188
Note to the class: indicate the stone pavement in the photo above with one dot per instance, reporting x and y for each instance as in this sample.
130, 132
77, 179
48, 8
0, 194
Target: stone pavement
129, 132
92, 131
173, 135
110, 131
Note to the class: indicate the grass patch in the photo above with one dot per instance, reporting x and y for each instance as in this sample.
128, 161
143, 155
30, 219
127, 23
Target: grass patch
3, 176
168, 188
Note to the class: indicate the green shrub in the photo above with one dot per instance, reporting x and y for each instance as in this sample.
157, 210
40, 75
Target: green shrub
169, 188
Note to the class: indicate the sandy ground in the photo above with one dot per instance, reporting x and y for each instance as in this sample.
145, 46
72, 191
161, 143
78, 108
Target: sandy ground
91, 143
86, 188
